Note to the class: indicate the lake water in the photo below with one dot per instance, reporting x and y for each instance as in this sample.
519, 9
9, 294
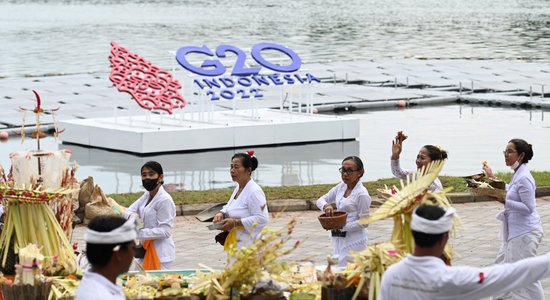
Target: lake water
71, 37
63, 36
471, 134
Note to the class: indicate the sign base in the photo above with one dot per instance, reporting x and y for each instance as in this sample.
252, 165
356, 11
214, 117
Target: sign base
150, 134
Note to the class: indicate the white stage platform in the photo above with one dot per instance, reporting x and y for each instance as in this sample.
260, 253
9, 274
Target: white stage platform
151, 133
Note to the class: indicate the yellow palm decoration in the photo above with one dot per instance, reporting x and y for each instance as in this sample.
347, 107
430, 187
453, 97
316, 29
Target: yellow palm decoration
410, 195
400, 205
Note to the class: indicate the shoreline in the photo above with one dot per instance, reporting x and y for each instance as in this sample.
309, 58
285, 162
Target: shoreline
302, 198
292, 205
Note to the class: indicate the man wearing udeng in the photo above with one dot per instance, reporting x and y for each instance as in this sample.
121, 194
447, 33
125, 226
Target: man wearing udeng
424, 276
110, 250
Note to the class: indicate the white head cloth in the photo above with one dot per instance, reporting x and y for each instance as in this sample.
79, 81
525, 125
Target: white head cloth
439, 226
125, 233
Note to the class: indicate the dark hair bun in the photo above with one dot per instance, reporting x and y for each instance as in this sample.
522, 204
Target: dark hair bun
248, 159
436, 152
523, 147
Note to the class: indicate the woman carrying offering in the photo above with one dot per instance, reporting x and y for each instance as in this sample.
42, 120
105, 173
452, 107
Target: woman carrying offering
426, 155
157, 211
521, 224
352, 197
245, 215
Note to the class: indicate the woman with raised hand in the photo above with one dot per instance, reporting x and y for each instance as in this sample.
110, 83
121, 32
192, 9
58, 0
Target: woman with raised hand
245, 215
521, 224
426, 155
352, 197
157, 212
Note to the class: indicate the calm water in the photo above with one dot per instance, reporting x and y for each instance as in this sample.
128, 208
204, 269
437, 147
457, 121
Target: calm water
53, 37
472, 134
49, 37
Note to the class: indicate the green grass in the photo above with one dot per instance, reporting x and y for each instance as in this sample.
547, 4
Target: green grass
310, 191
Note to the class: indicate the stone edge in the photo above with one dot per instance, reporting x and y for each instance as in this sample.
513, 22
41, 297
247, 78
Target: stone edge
309, 204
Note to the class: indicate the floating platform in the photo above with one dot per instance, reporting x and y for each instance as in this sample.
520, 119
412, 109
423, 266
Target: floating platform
152, 133
345, 85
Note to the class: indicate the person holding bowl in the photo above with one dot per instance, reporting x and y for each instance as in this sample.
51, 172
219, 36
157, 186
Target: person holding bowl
521, 224
353, 198
245, 215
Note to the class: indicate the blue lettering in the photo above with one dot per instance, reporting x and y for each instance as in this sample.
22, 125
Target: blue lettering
260, 79
244, 81
227, 94
243, 93
213, 95
212, 83
257, 55
311, 78
298, 77
208, 68
228, 82
288, 78
197, 82
275, 78
239, 69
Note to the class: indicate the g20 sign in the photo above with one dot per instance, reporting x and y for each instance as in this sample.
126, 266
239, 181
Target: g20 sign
248, 83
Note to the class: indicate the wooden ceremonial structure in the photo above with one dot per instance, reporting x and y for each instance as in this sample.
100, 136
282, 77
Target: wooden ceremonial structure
37, 214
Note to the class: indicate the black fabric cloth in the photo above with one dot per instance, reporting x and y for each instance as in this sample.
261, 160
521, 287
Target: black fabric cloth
220, 237
338, 233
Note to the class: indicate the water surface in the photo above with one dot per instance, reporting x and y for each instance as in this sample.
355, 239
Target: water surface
471, 134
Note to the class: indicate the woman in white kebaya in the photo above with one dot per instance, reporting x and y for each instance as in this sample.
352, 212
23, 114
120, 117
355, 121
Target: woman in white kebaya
157, 211
245, 215
521, 224
352, 197
425, 156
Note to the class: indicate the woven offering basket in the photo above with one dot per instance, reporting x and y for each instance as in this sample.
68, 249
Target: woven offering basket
490, 192
337, 221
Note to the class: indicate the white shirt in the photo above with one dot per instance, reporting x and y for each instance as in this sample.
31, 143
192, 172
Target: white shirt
520, 207
428, 278
436, 186
251, 208
94, 286
356, 205
158, 219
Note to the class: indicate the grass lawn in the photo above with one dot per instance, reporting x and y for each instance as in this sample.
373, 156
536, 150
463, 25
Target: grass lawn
309, 191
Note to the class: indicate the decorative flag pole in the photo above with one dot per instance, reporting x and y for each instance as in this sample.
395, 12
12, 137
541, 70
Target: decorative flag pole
38, 134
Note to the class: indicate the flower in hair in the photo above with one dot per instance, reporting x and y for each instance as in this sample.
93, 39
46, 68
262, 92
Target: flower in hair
251, 153
440, 148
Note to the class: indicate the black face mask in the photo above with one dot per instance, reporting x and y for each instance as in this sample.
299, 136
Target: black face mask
149, 184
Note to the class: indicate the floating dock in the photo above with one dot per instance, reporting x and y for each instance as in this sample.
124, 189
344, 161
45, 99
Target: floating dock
148, 134
345, 85
89, 103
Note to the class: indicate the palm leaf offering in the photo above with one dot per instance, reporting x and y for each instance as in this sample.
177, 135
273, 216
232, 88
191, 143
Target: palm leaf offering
371, 264
249, 266
399, 205
482, 185
486, 187
31, 193
29, 220
409, 196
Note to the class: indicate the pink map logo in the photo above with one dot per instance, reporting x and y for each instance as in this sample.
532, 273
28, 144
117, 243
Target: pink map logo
151, 87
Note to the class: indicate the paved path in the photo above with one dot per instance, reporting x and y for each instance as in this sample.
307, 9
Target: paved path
477, 244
